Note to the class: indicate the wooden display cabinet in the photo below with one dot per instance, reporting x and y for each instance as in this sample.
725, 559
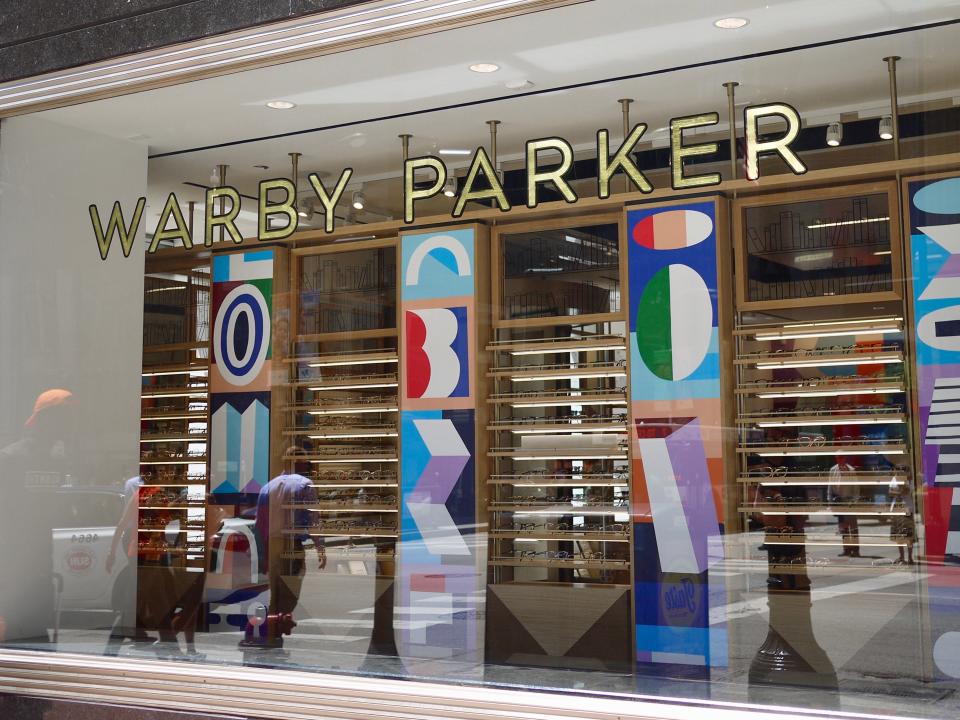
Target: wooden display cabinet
559, 484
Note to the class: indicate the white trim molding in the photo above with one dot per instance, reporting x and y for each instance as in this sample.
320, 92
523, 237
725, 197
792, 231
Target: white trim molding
324, 33
272, 694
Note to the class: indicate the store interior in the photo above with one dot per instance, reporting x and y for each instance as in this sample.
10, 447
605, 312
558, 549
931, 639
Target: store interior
812, 586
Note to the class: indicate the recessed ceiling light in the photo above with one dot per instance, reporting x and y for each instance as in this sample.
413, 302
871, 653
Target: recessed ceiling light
262, 167
484, 67
453, 151
731, 23
281, 105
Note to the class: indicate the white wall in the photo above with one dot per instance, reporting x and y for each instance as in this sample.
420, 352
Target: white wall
67, 318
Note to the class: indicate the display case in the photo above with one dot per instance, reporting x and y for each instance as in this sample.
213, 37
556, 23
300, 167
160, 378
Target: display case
174, 417
813, 247
559, 483
340, 422
823, 412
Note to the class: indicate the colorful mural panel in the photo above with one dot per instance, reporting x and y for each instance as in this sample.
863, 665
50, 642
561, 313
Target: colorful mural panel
440, 576
676, 430
934, 207
240, 341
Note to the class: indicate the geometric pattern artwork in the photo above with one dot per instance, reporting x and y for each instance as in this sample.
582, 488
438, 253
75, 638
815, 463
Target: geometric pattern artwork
674, 322
943, 429
935, 266
675, 428
439, 603
953, 525
681, 501
436, 352
934, 207
240, 441
240, 366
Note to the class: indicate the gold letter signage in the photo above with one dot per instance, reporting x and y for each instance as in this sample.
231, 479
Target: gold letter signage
548, 161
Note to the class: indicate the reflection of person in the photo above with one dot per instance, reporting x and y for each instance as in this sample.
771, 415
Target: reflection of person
284, 534
903, 529
124, 540
40, 459
847, 525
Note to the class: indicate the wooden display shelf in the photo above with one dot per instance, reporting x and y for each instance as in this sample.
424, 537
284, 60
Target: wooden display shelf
355, 483
384, 381
344, 408
573, 563
551, 373
822, 388
185, 460
588, 453
173, 347
190, 528
548, 427
198, 505
825, 508
823, 328
194, 391
150, 438
344, 532
539, 346
819, 358
345, 432
346, 359
533, 508
812, 480
801, 450
560, 399
832, 568
582, 480
321, 459
347, 335
865, 417
562, 535
334, 508
176, 369
172, 415
808, 540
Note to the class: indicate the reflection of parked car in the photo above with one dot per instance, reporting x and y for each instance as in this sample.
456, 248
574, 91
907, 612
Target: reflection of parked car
234, 583
84, 521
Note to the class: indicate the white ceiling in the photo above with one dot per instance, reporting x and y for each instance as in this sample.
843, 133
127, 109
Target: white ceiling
578, 44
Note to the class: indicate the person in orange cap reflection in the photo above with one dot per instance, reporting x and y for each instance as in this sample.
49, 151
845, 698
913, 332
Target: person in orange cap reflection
29, 469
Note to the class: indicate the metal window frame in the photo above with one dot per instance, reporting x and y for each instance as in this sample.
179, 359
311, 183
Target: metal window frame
274, 694
260, 46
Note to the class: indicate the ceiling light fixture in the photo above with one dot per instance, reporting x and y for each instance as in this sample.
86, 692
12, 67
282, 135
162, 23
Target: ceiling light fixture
450, 187
834, 134
520, 84
731, 23
484, 67
281, 105
886, 128
454, 151
358, 200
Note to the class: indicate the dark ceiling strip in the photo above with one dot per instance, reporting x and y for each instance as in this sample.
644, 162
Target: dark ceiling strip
562, 88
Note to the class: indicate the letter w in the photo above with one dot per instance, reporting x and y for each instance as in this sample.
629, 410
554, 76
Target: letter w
116, 225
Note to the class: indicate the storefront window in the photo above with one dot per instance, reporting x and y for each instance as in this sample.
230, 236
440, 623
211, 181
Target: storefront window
539, 412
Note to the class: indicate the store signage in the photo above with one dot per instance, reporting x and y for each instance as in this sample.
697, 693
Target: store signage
480, 184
